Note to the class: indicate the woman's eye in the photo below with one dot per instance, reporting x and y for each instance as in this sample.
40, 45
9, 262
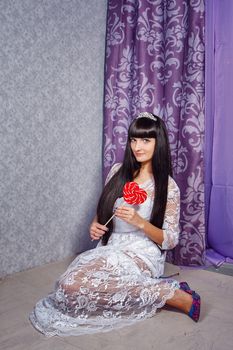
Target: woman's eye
146, 140
132, 140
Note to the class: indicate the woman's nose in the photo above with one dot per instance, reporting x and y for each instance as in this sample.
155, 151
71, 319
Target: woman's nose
138, 146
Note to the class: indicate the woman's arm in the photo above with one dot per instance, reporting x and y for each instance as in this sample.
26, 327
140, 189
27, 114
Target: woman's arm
171, 224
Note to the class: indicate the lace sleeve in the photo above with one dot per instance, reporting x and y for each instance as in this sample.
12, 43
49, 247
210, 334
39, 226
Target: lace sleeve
171, 227
112, 172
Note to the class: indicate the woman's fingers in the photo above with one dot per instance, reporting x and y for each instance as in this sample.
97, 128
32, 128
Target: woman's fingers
97, 230
128, 214
125, 212
101, 227
95, 235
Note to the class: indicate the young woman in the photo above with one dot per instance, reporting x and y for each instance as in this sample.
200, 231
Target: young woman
119, 282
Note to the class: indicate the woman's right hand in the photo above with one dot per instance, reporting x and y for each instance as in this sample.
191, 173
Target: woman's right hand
97, 230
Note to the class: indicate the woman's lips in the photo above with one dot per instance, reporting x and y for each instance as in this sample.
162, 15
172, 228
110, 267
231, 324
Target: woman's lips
139, 154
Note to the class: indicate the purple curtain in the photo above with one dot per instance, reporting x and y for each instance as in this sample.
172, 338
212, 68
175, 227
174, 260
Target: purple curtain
155, 63
219, 126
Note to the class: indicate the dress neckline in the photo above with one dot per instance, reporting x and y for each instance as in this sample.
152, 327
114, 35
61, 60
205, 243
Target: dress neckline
144, 182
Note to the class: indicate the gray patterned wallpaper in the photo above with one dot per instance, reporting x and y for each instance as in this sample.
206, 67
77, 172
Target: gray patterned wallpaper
51, 95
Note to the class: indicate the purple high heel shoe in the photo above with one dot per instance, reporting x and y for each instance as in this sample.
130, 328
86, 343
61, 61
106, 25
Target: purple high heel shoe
194, 312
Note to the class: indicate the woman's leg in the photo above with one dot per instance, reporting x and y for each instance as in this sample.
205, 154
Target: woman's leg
89, 276
181, 300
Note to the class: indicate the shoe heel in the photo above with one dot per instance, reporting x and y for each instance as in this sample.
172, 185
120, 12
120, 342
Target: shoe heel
194, 312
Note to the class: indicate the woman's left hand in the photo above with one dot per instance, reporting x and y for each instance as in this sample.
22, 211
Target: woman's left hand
129, 215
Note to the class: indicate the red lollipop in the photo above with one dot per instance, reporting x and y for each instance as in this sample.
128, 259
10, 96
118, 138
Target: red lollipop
133, 194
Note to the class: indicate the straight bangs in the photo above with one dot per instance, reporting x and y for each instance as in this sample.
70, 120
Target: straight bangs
142, 128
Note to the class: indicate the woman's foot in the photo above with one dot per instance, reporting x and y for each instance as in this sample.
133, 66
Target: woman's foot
194, 311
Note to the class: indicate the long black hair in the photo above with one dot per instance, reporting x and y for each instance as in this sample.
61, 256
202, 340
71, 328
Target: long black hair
142, 127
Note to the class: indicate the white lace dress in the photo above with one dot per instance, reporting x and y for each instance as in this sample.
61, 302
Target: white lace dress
116, 285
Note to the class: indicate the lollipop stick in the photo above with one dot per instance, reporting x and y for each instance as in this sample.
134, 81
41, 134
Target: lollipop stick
109, 219
113, 215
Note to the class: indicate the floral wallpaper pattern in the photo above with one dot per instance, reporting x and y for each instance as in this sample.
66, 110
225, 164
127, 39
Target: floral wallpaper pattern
51, 94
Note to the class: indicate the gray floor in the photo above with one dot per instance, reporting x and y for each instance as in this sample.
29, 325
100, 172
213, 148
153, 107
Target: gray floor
167, 330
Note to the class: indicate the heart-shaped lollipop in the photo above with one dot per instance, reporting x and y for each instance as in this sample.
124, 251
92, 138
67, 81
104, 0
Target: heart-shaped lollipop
133, 194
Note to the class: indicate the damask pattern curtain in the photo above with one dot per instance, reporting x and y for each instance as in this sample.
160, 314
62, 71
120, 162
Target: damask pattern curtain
155, 63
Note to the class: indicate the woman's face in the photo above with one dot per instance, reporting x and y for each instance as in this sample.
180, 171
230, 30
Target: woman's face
143, 148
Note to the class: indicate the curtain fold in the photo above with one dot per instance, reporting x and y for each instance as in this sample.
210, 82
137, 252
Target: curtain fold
219, 126
155, 63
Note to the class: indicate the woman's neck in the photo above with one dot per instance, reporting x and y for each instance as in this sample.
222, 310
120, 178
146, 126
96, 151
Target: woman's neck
144, 173
146, 168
